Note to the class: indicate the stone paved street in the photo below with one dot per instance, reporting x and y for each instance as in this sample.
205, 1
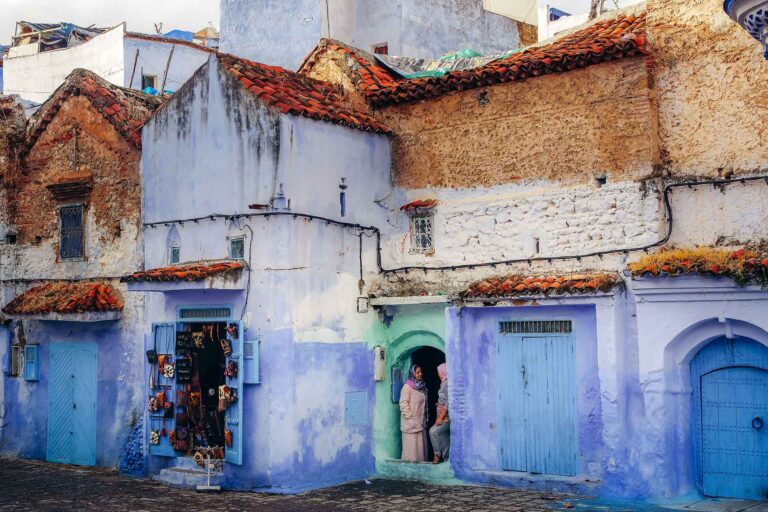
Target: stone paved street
38, 486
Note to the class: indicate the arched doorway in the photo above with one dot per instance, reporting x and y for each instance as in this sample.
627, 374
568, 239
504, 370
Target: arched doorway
729, 378
428, 358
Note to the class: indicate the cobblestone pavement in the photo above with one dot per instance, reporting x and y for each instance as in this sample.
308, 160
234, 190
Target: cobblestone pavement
38, 486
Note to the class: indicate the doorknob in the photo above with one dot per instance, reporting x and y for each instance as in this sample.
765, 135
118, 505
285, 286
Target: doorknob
74, 406
757, 423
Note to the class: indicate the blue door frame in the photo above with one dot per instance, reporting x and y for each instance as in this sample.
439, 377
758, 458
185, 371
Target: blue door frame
729, 416
72, 389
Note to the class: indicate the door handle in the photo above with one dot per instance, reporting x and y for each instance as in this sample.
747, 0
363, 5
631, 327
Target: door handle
74, 406
757, 423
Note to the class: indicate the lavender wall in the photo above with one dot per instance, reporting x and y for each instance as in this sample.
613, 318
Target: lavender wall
471, 355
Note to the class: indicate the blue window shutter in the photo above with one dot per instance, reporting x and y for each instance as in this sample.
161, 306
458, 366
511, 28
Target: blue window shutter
356, 408
397, 384
32, 362
233, 418
251, 362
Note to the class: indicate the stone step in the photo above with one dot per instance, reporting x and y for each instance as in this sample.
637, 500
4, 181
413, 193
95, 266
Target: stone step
187, 478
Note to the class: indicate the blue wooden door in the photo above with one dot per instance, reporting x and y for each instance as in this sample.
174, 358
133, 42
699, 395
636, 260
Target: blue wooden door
536, 379
233, 417
163, 339
72, 404
734, 412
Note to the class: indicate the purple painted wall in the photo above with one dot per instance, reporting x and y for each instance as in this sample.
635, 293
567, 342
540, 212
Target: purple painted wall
471, 354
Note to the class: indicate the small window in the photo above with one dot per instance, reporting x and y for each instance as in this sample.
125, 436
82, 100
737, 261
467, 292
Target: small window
356, 408
421, 226
32, 362
148, 81
536, 327
381, 49
237, 248
71, 226
174, 255
15, 360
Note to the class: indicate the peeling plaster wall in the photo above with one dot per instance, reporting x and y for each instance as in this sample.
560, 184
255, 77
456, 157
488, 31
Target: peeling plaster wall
113, 249
214, 148
288, 31
35, 77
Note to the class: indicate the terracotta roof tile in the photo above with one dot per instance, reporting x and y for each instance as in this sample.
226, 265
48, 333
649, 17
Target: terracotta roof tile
419, 203
185, 272
296, 94
604, 40
66, 298
127, 110
517, 285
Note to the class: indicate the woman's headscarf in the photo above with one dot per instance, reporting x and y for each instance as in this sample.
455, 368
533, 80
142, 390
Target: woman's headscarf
417, 384
442, 371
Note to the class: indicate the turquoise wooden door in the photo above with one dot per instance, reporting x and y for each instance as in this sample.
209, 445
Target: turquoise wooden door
536, 379
72, 404
734, 410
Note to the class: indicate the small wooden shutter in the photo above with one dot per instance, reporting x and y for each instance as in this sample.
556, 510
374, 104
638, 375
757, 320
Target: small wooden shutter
356, 408
234, 414
251, 362
32, 362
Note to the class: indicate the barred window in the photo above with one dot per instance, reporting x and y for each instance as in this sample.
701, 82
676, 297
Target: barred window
536, 327
174, 255
71, 244
421, 226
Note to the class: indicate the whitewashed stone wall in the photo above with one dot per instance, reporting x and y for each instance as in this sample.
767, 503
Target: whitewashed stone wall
504, 222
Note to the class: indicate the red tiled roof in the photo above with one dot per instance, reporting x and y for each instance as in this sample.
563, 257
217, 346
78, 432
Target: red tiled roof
362, 66
420, 203
185, 272
127, 110
517, 285
604, 40
169, 40
292, 93
66, 298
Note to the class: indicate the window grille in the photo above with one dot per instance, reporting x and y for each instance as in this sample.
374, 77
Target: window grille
174, 255
421, 225
236, 248
536, 327
71, 220
204, 313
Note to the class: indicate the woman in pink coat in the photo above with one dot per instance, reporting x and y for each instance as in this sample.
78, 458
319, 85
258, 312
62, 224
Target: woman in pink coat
413, 416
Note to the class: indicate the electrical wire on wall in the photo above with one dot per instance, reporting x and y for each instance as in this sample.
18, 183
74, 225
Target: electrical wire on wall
374, 231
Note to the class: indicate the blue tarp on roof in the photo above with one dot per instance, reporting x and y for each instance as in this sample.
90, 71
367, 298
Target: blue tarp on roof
55, 35
183, 35
556, 14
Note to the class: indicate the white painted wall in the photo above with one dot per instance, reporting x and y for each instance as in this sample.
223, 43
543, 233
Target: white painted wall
35, 77
153, 57
284, 32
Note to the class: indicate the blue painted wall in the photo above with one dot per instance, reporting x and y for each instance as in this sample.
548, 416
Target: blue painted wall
118, 402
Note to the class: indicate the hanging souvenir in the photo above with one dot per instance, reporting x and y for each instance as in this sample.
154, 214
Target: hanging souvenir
226, 346
153, 404
160, 398
163, 432
184, 369
232, 331
172, 437
168, 409
181, 398
227, 394
194, 399
231, 369
199, 459
197, 339
228, 438
154, 437
184, 343
168, 371
181, 443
